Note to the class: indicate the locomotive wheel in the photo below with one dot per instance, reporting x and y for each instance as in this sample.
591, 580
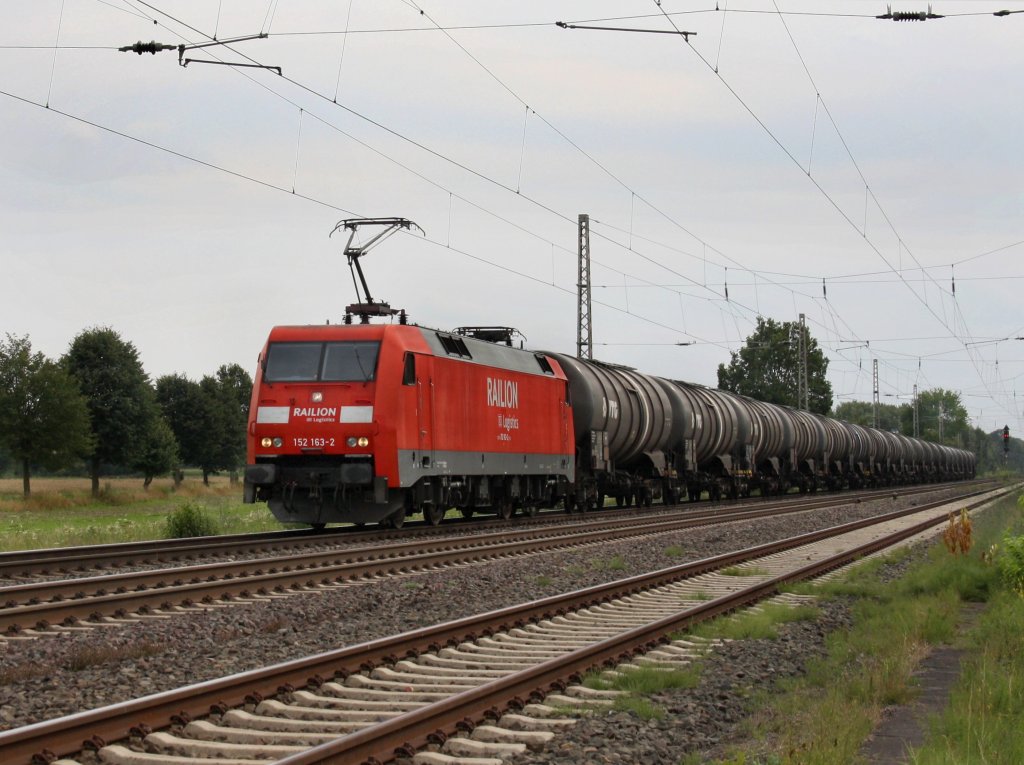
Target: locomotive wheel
433, 514
397, 519
506, 509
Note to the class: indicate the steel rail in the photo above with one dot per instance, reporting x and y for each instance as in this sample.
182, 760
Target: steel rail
66, 735
67, 602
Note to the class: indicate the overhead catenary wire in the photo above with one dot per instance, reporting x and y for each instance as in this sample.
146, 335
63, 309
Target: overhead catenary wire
753, 310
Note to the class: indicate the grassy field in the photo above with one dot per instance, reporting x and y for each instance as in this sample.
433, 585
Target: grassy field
62, 512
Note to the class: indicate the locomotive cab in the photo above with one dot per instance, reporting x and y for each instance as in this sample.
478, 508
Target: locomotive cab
314, 442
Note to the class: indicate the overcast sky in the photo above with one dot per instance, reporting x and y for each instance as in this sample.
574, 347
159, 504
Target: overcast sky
790, 157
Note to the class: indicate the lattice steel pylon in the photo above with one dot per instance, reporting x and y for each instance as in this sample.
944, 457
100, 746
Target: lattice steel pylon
584, 338
802, 393
917, 429
874, 405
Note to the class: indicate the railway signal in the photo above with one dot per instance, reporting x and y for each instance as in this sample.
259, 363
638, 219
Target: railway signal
1006, 439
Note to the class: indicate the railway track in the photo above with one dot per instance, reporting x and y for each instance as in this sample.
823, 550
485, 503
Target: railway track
33, 609
88, 560
418, 690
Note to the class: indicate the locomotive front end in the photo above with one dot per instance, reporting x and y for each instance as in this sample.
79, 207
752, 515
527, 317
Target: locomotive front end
316, 451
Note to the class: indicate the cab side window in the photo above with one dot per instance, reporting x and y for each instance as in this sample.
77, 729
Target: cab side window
409, 370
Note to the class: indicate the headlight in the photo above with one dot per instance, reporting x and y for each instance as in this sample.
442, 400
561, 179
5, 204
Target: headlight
266, 442
363, 441
351, 441
278, 442
317, 396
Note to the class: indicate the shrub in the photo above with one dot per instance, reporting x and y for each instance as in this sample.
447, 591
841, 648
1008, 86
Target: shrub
1010, 563
189, 520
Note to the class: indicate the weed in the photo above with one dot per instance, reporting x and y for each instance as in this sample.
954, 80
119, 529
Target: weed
675, 551
743, 571
615, 563
544, 580
93, 655
643, 708
755, 625
958, 536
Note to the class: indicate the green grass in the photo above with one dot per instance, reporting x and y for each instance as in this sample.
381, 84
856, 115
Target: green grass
615, 563
754, 625
638, 684
983, 721
647, 680
744, 571
824, 717
62, 512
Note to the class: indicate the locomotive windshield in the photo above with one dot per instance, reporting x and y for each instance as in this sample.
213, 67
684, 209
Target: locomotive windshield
321, 362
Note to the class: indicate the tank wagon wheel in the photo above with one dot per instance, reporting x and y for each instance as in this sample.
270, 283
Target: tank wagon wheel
530, 509
318, 526
600, 502
433, 514
619, 500
467, 512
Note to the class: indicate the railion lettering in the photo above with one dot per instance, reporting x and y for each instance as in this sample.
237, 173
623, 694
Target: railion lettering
502, 393
315, 411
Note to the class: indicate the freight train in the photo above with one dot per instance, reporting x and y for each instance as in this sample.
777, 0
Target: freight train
371, 423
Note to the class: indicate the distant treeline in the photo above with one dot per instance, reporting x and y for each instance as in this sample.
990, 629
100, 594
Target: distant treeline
96, 410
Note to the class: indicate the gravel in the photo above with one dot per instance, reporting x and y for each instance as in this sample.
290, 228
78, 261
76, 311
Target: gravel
53, 676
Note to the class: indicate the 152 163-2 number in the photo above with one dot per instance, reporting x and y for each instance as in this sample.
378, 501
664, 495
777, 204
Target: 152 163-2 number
312, 443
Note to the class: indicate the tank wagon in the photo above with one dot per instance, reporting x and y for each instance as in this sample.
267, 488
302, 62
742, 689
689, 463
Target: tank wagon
371, 423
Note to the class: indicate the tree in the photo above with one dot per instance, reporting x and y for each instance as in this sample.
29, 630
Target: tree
186, 410
235, 392
117, 391
890, 416
44, 419
158, 452
767, 367
942, 417
209, 418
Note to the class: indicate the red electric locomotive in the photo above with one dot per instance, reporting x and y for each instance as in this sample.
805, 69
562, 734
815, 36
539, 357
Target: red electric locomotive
369, 422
